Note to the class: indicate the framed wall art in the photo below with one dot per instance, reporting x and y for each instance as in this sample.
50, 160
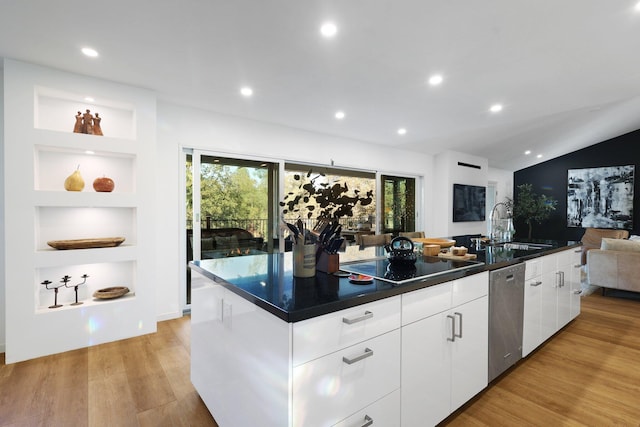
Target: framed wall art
600, 197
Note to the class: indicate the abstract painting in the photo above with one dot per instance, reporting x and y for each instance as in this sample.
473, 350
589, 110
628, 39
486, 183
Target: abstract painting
600, 197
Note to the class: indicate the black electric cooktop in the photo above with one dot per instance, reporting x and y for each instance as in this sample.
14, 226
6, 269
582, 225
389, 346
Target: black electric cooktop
426, 266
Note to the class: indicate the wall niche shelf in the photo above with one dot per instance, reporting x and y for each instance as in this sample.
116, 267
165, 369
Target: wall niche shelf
44, 151
56, 109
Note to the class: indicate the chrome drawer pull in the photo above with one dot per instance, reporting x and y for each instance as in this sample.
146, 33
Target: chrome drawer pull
577, 292
577, 265
367, 421
453, 328
459, 315
367, 353
536, 284
365, 316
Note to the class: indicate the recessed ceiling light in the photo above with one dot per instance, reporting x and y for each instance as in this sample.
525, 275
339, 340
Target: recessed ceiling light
402, 131
328, 29
246, 91
435, 80
92, 53
637, 8
496, 108
89, 99
539, 156
90, 152
527, 152
339, 115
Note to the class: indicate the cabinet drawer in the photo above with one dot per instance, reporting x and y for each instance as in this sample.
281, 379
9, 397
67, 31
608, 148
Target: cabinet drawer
322, 335
470, 288
426, 302
329, 389
532, 269
384, 412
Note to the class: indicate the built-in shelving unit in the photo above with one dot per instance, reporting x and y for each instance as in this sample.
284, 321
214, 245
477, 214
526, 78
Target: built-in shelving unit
41, 150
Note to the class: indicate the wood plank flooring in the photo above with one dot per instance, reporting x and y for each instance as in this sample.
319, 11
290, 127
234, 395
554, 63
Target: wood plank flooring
587, 375
143, 381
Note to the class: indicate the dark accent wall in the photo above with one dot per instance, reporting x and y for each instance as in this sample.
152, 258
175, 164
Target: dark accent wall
550, 178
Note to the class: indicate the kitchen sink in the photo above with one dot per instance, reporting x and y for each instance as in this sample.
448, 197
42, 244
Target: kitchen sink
524, 246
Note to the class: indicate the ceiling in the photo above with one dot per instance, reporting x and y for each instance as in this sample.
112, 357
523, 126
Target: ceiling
566, 72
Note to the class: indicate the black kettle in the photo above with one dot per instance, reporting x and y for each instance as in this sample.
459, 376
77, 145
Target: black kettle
400, 252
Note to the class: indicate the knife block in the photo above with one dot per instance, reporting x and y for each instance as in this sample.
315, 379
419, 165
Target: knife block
328, 263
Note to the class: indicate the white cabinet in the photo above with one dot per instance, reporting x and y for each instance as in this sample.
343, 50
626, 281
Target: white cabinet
40, 151
444, 353
239, 357
328, 389
345, 361
531, 336
550, 298
252, 368
575, 287
384, 412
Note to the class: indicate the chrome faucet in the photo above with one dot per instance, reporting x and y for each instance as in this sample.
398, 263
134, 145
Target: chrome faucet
495, 232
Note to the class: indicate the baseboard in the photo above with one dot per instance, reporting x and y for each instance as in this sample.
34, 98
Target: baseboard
169, 316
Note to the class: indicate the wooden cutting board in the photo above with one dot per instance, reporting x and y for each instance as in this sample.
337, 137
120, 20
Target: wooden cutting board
459, 257
104, 242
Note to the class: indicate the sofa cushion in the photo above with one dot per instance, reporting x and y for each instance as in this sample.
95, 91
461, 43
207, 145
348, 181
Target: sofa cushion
227, 242
620, 245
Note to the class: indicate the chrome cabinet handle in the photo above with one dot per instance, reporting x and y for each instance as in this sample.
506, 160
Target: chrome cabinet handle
577, 292
349, 361
365, 316
577, 265
460, 316
562, 276
536, 283
367, 421
453, 328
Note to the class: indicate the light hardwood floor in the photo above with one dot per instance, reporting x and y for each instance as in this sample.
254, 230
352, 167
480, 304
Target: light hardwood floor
588, 374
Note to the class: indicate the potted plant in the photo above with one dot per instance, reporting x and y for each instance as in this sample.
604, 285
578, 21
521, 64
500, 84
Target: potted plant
532, 207
329, 201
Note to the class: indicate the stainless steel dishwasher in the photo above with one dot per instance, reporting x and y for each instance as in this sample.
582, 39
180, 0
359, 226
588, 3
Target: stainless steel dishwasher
506, 311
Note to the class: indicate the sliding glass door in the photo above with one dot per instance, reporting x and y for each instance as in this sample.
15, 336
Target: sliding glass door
398, 204
230, 208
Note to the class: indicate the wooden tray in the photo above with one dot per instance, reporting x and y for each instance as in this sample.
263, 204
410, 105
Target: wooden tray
104, 242
460, 257
109, 293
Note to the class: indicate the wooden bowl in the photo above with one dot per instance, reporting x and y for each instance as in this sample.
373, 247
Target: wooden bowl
430, 250
112, 292
443, 243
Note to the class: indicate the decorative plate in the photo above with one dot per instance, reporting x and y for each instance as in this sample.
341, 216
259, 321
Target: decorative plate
104, 242
360, 279
341, 273
109, 293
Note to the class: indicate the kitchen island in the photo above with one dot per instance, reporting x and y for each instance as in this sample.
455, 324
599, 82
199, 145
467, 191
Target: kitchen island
272, 350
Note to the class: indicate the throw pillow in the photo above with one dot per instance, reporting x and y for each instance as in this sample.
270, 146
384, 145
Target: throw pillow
620, 245
227, 242
207, 244
634, 237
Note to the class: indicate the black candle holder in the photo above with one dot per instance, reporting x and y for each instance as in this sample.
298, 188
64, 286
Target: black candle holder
66, 280
46, 284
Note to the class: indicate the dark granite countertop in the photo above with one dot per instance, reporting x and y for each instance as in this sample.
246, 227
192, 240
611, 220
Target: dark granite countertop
267, 279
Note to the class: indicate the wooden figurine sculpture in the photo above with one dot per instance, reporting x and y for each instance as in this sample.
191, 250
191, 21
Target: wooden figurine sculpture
87, 123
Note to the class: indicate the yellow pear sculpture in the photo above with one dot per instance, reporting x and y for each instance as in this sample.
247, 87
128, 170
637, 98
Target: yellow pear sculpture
74, 182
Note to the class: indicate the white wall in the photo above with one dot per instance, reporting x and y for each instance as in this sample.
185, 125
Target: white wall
2, 251
449, 172
179, 127
504, 178
186, 127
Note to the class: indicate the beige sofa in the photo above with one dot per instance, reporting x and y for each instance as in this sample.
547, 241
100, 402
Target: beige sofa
615, 265
592, 239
